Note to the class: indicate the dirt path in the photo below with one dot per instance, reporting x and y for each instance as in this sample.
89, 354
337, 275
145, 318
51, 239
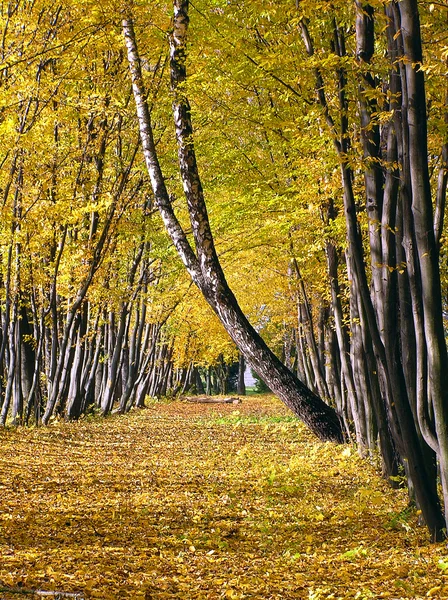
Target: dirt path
204, 502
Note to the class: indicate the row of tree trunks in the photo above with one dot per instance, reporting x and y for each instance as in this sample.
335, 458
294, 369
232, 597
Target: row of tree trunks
111, 362
397, 346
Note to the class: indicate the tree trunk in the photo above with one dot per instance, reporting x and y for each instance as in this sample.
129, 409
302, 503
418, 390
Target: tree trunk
437, 360
241, 386
204, 267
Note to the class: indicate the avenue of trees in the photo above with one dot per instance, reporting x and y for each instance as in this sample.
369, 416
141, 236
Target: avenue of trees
276, 170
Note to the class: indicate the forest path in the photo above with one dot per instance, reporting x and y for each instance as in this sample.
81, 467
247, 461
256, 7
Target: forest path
207, 501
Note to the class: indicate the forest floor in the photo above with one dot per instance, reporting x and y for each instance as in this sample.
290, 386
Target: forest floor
203, 501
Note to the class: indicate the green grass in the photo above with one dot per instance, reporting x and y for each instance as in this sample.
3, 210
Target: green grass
236, 418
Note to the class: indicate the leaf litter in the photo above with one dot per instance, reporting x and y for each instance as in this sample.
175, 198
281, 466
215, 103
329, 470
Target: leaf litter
205, 502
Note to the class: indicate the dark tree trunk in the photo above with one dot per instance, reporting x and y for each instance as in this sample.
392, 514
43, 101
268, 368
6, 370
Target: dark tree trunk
241, 386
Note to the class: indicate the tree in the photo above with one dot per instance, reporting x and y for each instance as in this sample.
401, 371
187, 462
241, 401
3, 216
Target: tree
203, 265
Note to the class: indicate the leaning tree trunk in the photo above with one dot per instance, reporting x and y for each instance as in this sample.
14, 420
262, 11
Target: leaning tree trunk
204, 266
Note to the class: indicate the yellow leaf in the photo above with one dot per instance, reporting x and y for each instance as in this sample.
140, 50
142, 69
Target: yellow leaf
433, 590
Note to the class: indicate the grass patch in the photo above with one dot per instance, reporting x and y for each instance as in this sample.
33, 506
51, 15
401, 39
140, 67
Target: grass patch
236, 418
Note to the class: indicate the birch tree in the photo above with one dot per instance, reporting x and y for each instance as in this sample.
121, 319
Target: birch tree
202, 263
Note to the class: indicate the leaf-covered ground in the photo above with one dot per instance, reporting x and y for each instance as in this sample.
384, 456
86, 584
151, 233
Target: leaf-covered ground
205, 501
